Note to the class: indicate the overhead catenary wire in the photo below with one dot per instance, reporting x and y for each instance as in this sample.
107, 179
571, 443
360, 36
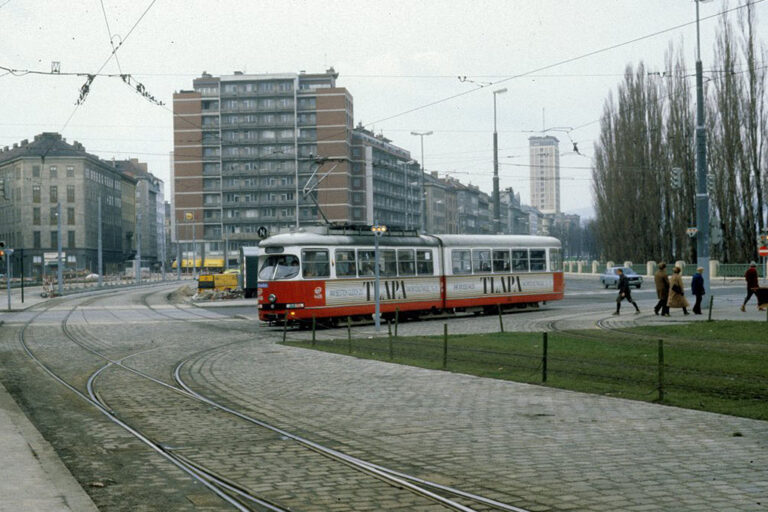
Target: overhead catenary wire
111, 38
112, 54
560, 63
528, 74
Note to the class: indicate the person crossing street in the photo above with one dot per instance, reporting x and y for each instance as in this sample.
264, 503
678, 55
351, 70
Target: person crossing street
751, 277
624, 293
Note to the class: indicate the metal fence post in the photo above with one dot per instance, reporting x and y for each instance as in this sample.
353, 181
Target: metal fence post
711, 300
397, 319
313, 330
501, 322
445, 346
389, 329
285, 328
661, 370
349, 335
544, 358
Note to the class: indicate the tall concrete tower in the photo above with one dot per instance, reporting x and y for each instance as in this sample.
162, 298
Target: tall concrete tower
545, 173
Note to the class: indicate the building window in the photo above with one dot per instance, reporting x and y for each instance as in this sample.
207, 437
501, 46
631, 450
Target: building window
54, 172
36, 240
36, 191
71, 239
70, 172
36, 216
71, 216
70, 193
54, 194
54, 239
53, 215
35, 171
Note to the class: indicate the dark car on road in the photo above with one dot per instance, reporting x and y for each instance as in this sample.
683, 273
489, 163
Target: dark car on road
611, 277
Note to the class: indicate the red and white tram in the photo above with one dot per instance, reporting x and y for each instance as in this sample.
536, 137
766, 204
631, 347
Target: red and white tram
327, 275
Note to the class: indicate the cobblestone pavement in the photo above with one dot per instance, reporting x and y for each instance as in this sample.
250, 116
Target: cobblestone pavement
534, 447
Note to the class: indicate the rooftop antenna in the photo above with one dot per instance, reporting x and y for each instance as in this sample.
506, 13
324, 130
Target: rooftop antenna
543, 123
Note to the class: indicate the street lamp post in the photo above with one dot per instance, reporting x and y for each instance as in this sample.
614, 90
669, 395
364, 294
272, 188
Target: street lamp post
422, 205
9, 273
59, 270
137, 261
496, 199
377, 232
99, 242
190, 217
702, 198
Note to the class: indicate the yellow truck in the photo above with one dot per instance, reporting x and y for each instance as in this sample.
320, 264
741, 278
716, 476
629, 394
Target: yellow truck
219, 282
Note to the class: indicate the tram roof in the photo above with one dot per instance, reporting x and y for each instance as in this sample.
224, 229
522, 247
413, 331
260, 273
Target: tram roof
498, 241
299, 238
319, 239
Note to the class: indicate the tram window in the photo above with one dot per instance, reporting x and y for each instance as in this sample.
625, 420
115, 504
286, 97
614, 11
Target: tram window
520, 260
555, 260
315, 263
279, 267
345, 263
406, 265
538, 260
365, 263
424, 264
461, 261
501, 261
387, 262
481, 260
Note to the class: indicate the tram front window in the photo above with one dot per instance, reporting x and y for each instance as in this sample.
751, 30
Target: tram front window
279, 267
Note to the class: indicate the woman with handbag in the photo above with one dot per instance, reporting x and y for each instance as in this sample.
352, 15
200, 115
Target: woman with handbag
676, 293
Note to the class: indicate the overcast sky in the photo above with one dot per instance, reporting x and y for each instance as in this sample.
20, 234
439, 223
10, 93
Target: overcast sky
393, 56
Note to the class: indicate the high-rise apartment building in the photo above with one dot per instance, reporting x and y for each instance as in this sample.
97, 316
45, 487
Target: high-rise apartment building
545, 173
254, 154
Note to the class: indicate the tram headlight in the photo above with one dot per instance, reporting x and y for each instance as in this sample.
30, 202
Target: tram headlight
272, 298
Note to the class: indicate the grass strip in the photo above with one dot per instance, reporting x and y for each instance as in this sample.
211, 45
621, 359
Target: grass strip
712, 366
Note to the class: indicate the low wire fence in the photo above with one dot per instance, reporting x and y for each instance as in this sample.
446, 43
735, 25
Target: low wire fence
672, 371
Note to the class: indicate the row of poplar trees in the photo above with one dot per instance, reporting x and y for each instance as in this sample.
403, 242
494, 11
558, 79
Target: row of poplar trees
648, 128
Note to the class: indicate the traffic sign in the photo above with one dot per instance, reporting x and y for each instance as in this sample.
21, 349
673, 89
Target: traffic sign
52, 257
262, 231
763, 251
692, 232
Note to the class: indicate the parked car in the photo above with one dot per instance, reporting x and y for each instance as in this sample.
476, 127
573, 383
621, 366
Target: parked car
611, 277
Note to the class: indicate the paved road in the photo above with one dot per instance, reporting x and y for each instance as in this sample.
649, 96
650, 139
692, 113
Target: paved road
534, 447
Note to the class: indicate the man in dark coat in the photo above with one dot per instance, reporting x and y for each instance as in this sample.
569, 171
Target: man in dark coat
624, 292
662, 290
750, 276
697, 289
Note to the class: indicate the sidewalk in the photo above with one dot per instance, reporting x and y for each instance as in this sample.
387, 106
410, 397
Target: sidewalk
32, 476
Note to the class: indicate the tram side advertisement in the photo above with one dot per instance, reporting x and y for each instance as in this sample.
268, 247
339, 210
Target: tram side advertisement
468, 287
356, 292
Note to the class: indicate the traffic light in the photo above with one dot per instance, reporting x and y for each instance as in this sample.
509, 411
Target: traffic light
2, 189
2, 251
710, 182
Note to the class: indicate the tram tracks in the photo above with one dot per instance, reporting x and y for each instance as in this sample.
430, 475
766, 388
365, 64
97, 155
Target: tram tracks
237, 495
218, 486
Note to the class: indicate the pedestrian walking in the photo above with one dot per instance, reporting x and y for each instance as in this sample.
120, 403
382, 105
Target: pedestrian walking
662, 289
624, 292
697, 289
750, 276
676, 293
